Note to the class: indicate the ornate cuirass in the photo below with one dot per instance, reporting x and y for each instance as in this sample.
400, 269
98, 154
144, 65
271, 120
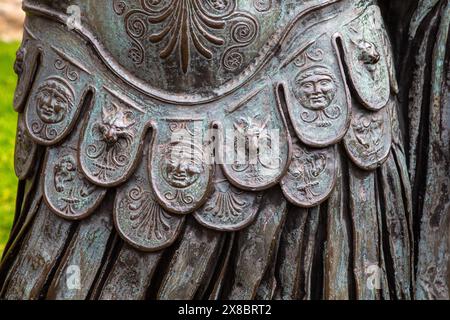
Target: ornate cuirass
106, 94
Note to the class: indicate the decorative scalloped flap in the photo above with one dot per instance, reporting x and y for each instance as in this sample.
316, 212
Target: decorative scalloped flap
66, 190
111, 144
254, 143
229, 208
365, 57
368, 141
56, 98
24, 152
317, 94
139, 218
180, 168
27, 61
390, 61
311, 176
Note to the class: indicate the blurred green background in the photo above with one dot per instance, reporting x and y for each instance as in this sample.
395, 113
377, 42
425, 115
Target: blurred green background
8, 122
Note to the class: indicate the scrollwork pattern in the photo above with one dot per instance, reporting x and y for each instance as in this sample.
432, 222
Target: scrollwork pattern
243, 32
119, 7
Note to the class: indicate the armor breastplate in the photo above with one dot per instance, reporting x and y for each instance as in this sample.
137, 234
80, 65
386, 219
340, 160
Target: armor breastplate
110, 93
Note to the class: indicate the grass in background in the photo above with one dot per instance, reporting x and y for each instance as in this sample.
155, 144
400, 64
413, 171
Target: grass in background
8, 122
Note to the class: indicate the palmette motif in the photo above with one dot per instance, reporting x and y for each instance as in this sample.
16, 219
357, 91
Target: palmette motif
27, 59
138, 216
291, 85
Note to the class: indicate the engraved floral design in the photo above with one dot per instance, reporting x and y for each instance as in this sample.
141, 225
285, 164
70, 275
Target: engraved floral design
113, 137
252, 146
182, 166
187, 26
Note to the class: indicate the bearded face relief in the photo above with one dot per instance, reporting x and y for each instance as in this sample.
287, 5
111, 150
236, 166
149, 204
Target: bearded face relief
182, 164
54, 100
316, 88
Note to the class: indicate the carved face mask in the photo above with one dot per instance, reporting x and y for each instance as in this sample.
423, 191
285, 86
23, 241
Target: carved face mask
116, 124
182, 165
64, 172
53, 101
18, 65
316, 90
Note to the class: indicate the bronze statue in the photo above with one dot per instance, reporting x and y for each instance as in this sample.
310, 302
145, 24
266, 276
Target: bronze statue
140, 159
